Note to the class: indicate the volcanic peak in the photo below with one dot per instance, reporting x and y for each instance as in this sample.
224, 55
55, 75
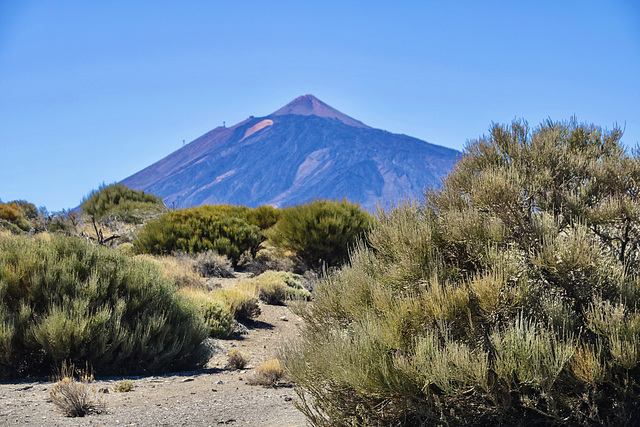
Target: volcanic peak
309, 105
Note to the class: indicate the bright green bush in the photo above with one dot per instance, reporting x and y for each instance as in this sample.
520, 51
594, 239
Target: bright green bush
200, 229
510, 296
320, 231
128, 205
63, 299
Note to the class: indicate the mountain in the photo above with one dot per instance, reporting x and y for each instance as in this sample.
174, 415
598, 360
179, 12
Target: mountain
304, 150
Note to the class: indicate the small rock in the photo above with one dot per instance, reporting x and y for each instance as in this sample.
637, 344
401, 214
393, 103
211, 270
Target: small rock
214, 390
288, 399
284, 319
220, 382
186, 380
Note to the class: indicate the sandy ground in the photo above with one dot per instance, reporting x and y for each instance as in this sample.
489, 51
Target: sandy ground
208, 397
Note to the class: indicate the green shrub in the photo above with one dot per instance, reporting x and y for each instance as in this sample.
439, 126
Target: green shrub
128, 205
263, 217
510, 296
200, 229
63, 299
320, 231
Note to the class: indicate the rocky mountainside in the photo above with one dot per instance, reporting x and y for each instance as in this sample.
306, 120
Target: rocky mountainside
304, 150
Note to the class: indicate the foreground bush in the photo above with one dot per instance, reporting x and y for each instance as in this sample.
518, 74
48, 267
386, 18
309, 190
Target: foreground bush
64, 299
509, 297
206, 228
117, 200
320, 231
76, 397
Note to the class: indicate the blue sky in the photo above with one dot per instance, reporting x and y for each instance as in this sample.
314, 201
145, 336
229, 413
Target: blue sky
93, 91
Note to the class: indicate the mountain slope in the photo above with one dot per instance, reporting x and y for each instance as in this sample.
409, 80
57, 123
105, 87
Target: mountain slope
304, 150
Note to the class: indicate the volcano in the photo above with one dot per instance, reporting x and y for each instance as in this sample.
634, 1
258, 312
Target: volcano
304, 150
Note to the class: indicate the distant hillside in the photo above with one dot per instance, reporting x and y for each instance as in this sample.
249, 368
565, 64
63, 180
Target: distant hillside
304, 150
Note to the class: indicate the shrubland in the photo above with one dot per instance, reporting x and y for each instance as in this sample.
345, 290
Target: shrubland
508, 296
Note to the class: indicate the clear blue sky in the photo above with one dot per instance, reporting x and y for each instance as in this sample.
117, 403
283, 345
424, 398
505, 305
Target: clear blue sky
93, 91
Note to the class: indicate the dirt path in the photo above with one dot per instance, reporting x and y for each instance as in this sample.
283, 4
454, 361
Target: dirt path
210, 397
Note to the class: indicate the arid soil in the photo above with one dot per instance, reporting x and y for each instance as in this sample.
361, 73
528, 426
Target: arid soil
209, 397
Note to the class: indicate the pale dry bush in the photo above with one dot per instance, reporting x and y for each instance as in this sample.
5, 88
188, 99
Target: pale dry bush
268, 373
236, 359
179, 268
75, 396
212, 264
123, 386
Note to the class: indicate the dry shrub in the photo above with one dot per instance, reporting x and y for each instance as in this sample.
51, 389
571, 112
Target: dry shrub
242, 302
212, 264
267, 374
276, 287
123, 386
75, 396
237, 359
179, 269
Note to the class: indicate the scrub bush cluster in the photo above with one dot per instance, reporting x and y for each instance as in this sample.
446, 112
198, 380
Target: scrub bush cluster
509, 296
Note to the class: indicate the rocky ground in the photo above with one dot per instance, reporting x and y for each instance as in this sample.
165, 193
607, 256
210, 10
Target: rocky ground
209, 397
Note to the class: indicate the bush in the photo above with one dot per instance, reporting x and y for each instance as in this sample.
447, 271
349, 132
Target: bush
320, 231
242, 303
16, 216
128, 205
66, 299
510, 296
267, 374
75, 397
200, 229
178, 269
123, 386
237, 359
212, 264
214, 311
276, 287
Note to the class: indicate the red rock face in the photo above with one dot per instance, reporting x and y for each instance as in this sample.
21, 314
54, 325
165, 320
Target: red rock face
304, 150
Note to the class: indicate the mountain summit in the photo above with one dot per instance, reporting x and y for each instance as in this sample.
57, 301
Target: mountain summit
302, 151
309, 105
